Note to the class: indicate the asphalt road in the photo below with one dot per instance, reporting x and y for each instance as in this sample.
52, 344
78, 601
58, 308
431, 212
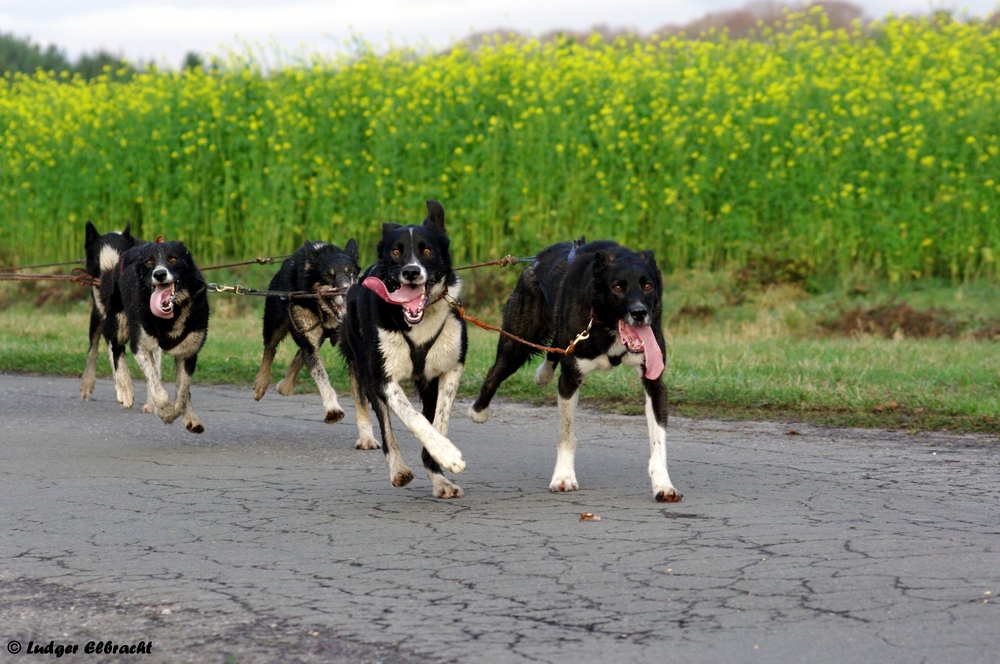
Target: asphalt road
270, 539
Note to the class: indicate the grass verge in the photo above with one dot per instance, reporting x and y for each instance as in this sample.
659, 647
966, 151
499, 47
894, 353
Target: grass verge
760, 353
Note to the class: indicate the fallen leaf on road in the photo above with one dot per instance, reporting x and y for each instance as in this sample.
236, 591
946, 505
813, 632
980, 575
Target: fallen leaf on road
589, 516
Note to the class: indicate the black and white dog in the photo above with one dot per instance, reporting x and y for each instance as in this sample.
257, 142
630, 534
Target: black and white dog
314, 266
399, 327
102, 255
156, 301
615, 294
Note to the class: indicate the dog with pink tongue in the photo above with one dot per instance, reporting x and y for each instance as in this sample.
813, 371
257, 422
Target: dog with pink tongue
609, 300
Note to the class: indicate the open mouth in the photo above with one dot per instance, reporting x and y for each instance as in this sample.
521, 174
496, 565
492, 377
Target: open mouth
161, 302
413, 299
641, 340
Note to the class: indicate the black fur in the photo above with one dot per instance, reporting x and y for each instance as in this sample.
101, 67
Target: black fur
383, 346
130, 320
569, 288
113, 245
314, 266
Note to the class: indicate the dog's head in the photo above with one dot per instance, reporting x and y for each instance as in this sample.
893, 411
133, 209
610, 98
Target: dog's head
628, 293
104, 251
326, 265
167, 271
414, 264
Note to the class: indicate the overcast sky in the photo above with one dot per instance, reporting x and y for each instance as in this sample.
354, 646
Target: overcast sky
164, 30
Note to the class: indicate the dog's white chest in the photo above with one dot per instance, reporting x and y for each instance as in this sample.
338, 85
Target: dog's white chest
440, 358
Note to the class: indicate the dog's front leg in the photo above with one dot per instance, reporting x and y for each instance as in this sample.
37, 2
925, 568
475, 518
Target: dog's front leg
438, 446
185, 371
150, 406
145, 357
564, 475
656, 421
286, 386
366, 437
399, 473
447, 390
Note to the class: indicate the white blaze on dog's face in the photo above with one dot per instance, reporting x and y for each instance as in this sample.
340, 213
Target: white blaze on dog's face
414, 263
161, 266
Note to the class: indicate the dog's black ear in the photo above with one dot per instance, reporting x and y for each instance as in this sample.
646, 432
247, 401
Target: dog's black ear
435, 215
351, 249
127, 231
388, 228
91, 235
601, 261
647, 256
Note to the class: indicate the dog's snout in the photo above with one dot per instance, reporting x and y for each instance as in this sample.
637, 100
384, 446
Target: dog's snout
639, 314
160, 274
411, 273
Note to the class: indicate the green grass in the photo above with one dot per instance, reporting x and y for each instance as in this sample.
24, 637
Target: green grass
763, 358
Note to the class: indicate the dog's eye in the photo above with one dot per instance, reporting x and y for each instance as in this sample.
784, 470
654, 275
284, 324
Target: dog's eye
647, 287
617, 288
426, 251
149, 262
172, 260
397, 252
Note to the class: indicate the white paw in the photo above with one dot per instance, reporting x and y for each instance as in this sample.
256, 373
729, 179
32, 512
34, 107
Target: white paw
666, 494
562, 482
286, 388
87, 388
149, 407
479, 416
450, 458
445, 489
367, 443
125, 395
545, 373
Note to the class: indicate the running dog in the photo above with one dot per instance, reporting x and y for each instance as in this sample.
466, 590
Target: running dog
102, 255
400, 327
156, 301
313, 267
613, 294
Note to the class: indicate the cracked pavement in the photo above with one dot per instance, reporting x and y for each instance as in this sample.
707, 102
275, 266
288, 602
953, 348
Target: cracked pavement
270, 538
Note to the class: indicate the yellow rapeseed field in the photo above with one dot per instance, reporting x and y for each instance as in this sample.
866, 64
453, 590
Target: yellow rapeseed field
874, 150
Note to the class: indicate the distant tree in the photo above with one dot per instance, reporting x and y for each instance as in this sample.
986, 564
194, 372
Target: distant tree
92, 65
18, 54
193, 60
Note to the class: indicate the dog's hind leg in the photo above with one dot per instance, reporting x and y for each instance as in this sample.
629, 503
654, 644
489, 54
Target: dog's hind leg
564, 475
511, 356
273, 335
525, 316
366, 437
439, 447
656, 421
89, 378
123, 381
150, 406
182, 404
399, 473
286, 387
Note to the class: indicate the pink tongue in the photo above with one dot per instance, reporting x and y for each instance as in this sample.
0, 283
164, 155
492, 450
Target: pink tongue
402, 295
654, 356
159, 298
